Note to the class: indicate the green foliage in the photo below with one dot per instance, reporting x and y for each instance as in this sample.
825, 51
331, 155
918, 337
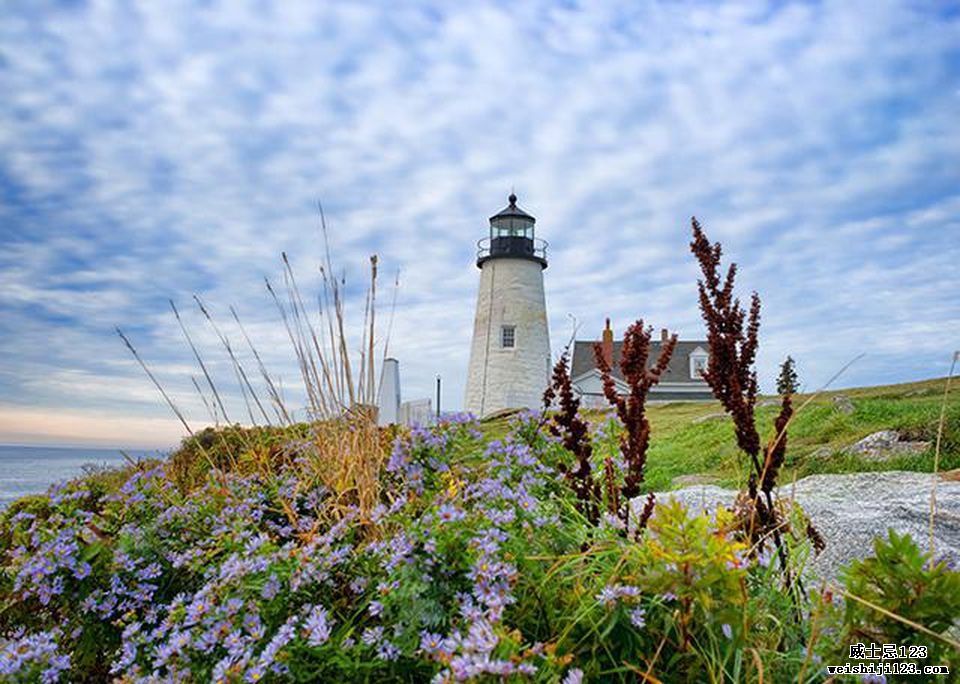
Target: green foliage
887, 596
693, 439
476, 557
787, 381
230, 448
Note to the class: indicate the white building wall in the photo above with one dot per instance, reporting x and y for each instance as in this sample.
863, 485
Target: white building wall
511, 293
416, 412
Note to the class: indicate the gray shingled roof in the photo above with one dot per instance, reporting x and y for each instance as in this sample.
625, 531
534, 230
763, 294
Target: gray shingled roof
677, 371
512, 210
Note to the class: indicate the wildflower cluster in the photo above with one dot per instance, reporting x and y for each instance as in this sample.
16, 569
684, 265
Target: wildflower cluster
34, 656
475, 565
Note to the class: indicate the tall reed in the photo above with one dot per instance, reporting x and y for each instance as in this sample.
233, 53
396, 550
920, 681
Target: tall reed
343, 449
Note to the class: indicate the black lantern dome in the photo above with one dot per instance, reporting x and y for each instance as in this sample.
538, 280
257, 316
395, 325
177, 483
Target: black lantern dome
512, 236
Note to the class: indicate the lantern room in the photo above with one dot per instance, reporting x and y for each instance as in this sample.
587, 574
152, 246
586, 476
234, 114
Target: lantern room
512, 236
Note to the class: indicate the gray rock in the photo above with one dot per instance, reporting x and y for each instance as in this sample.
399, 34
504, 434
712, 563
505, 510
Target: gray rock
842, 403
850, 511
822, 452
884, 445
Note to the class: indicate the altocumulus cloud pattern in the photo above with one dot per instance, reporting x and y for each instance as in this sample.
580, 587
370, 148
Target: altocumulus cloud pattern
155, 150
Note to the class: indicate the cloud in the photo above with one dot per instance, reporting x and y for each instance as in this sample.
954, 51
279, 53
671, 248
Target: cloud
153, 151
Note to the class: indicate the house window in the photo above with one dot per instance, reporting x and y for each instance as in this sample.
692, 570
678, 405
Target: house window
508, 336
698, 364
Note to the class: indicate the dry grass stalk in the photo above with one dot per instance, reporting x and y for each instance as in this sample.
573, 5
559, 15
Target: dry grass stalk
936, 451
203, 366
346, 450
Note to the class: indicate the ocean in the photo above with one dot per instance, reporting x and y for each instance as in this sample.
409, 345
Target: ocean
32, 469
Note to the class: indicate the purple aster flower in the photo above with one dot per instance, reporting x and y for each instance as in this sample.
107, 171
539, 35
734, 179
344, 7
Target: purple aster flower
256, 673
764, 557
283, 636
637, 617
727, 630
196, 610
387, 651
469, 609
372, 635
151, 571
610, 594
574, 676
500, 517
234, 605
431, 643
253, 626
270, 588
480, 638
207, 641
526, 502
449, 513
317, 626
607, 596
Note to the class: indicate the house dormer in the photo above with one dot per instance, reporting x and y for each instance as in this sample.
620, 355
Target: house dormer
698, 363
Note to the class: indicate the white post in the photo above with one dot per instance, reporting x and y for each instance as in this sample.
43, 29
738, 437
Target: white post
389, 406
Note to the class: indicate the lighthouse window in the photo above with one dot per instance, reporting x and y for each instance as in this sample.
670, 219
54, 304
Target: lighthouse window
508, 336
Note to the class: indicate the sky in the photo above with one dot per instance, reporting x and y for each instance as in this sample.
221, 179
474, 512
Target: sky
152, 151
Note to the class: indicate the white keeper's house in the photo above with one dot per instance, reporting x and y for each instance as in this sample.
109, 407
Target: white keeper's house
680, 382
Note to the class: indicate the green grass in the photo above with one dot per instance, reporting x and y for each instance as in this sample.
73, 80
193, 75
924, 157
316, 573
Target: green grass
680, 446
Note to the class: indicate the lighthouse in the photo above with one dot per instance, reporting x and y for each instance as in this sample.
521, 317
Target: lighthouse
510, 354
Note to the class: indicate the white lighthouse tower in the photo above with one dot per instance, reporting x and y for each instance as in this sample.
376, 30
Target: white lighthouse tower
510, 354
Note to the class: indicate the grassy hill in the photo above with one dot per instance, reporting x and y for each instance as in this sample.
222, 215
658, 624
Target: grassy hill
336, 552
691, 443
694, 441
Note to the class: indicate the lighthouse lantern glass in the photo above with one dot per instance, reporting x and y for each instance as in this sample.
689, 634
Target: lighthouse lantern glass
511, 226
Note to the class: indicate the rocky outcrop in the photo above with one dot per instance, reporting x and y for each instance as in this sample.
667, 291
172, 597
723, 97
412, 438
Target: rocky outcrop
850, 511
885, 444
842, 403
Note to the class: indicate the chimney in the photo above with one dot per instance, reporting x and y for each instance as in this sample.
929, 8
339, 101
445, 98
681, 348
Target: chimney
664, 335
607, 344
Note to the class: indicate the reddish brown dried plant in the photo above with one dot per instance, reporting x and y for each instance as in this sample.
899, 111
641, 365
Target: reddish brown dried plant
574, 432
631, 407
777, 448
732, 337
